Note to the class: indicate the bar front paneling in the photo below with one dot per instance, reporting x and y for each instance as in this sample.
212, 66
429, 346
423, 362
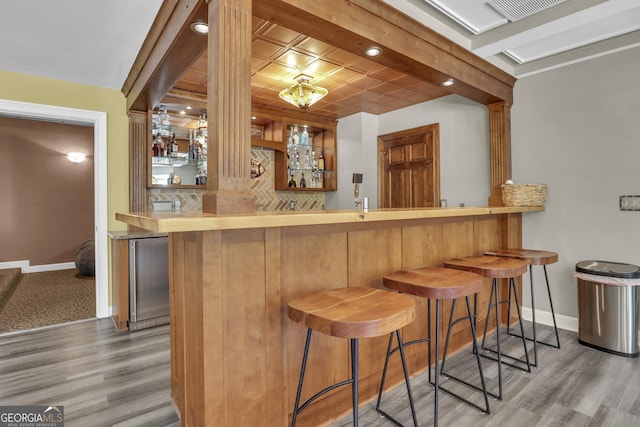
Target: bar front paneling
235, 354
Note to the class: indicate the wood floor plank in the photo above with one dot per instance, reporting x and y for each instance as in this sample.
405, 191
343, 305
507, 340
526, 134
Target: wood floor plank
107, 378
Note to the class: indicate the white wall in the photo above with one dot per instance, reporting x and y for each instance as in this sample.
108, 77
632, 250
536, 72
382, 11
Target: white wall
357, 153
464, 150
577, 129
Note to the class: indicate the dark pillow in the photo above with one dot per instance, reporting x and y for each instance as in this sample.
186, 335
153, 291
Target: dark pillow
86, 258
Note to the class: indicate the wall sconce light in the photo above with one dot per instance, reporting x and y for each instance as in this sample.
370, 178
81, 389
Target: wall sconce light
303, 94
76, 157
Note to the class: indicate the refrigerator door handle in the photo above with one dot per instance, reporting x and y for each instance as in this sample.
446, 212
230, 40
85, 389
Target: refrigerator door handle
133, 303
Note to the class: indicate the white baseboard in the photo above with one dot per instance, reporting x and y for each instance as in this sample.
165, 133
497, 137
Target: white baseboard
545, 318
25, 266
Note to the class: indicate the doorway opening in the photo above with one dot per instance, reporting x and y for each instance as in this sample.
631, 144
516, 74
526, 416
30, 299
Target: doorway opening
98, 120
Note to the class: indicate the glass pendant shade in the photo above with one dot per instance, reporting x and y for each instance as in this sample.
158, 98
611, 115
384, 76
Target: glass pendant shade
303, 94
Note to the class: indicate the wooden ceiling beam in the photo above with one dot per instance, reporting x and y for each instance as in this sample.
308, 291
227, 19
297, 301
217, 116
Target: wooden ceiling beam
168, 51
409, 47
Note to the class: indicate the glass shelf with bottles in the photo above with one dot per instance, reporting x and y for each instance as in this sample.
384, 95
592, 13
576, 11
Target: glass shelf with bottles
177, 162
306, 163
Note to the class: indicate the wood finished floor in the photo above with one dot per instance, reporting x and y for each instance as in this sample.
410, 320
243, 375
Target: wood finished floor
107, 378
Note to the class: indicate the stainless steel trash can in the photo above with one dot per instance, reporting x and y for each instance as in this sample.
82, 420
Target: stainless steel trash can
609, 306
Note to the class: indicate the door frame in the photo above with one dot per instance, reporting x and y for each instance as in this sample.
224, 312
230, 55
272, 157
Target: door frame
97, 119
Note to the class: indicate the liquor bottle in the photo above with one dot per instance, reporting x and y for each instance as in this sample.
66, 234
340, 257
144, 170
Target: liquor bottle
174, 146
303, 182
307, 161
156, 146
304, 138
163, 149
292, 182
295, 136
321, 161
314, 161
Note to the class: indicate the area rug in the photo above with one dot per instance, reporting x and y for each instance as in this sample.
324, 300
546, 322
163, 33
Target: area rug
49, 298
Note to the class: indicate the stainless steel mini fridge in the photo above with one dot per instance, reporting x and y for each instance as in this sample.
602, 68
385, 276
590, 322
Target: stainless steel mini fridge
148, 282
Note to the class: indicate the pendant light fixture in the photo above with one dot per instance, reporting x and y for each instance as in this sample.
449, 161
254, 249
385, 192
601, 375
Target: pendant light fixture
303, 94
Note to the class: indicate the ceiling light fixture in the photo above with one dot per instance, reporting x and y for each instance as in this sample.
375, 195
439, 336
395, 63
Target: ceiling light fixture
200, 27
75, 157
303, 94
373, 51
448, 82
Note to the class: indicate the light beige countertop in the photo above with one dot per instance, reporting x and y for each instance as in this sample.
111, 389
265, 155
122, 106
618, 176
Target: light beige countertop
120, 235
167, 222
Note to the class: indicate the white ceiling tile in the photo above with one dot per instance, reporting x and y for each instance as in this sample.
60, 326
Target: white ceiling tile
578, 36
475, 15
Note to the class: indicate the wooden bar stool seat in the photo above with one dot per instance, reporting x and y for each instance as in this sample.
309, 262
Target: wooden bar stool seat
534, 257
438, 284
351, 313
496, 268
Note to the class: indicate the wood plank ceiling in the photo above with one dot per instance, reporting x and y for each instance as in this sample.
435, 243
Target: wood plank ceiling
355, 83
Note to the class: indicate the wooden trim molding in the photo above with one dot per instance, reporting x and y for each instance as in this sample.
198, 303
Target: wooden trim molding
138, 159
500, 149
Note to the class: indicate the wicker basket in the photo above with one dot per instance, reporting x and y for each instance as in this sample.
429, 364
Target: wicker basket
524, 194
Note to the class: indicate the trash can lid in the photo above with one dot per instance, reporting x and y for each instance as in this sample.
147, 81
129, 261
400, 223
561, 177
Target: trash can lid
609, 268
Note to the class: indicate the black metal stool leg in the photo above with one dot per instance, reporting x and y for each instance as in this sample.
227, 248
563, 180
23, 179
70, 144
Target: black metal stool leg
512, 288
470, 317
533, 318
302, 369
497, 299
512, 283
437, 371
354, 377
384, 372
472, 323
405, 370
446, 341
553, 314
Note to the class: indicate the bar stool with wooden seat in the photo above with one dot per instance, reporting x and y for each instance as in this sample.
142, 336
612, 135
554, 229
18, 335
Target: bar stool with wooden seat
352, 313
534, 257
439, 284
496, 268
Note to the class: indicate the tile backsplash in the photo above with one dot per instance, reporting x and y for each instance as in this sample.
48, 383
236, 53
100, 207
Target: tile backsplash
267, 199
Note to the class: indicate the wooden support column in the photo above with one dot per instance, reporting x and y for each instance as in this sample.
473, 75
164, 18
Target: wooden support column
229, 108
500, 149
138, 156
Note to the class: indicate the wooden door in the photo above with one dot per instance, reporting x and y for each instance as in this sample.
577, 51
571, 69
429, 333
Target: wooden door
409, 168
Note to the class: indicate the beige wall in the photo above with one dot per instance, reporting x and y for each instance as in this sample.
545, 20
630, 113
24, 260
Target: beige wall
47, 207
25, 88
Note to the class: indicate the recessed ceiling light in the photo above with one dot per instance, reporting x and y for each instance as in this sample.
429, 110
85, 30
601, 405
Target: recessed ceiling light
183, 112
253, 117
189, 107
373, 51
448, 82
200, 27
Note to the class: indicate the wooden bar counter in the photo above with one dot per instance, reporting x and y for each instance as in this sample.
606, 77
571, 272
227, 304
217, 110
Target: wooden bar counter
235, 356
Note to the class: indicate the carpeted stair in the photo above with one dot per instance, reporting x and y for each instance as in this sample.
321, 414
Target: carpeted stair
9, 279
